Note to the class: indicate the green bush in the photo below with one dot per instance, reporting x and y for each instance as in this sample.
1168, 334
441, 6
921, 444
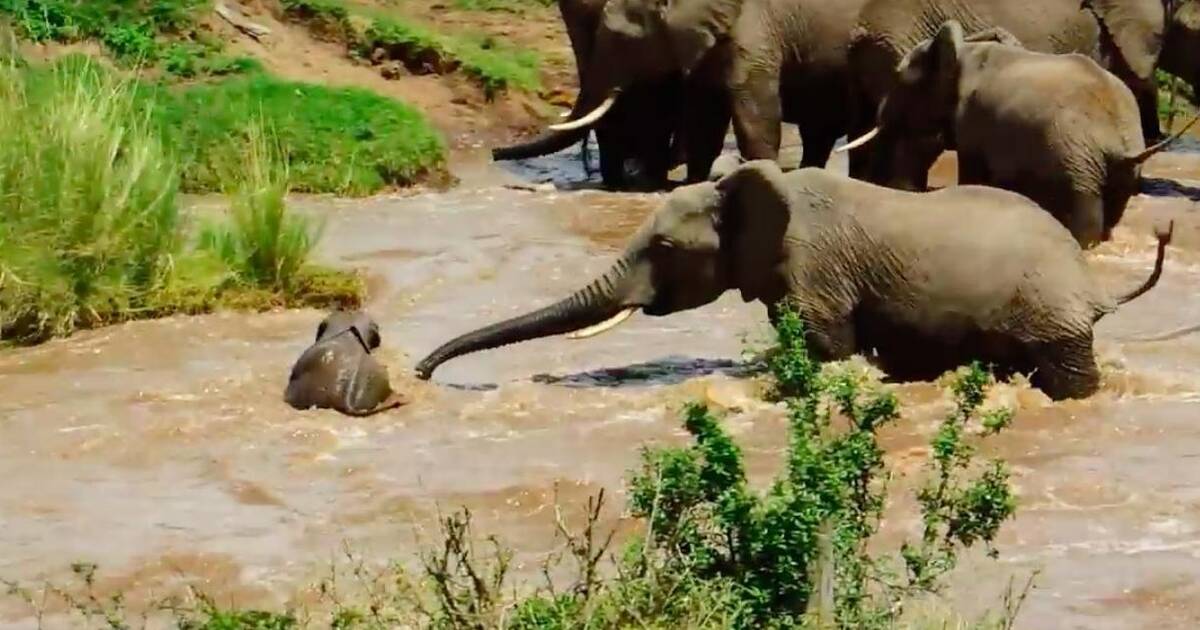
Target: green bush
1176, 102
341, 140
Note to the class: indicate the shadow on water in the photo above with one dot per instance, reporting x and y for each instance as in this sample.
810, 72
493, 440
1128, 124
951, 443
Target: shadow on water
1160, 187
666, 371
566, 169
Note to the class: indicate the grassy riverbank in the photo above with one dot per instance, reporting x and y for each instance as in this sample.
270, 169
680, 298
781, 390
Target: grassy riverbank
91, 231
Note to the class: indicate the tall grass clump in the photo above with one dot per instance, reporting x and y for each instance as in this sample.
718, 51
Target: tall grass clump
89, 226
262, 243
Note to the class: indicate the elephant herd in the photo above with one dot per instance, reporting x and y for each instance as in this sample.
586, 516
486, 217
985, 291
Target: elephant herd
1050, 104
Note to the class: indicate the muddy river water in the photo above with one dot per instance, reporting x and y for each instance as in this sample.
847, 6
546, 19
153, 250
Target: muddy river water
161, 450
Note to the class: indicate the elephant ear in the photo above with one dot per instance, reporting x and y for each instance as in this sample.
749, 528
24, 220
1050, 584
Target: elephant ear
695, 26
945, 51
1136, 28
753, 217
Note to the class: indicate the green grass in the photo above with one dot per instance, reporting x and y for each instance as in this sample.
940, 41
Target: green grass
518, 7
341, 140
147, 33
90, 229
327, 18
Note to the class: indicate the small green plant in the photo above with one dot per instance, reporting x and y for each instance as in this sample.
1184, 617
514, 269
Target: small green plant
327, 18
503, 6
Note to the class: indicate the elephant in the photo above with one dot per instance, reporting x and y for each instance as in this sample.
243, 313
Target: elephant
1058, 129
755, 62
338, 370
641, 130
1130, 38
918, 280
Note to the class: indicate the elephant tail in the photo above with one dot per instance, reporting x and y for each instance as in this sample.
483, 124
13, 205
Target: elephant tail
1164, 239
1152, 150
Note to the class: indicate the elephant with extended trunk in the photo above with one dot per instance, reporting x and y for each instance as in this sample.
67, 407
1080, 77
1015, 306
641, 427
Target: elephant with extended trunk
1058, 129
757, 62
641, 130
1130, 38
918, 278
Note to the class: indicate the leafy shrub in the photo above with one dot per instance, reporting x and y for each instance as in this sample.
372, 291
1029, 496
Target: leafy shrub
340, 140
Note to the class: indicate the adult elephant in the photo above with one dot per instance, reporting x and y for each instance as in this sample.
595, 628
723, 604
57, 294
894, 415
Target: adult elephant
1130, 38
920, 278
755, 62
1058, 129
638, 135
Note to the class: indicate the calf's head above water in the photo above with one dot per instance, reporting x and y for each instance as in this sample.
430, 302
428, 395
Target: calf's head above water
704, 240
357, 323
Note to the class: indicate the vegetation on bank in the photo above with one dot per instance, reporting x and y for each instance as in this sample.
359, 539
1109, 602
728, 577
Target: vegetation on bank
146, 33
90, 227
347, 141
714, 553
420, 48
1176, 102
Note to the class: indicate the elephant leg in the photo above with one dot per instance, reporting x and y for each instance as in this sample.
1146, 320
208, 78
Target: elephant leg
818, 146
707, 120
757, 111
1066, 368
612, 160
972, 169
1085, 219
1147, 101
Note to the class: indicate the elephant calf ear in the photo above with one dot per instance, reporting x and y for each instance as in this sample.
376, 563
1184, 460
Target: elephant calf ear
753, 219
1136, 29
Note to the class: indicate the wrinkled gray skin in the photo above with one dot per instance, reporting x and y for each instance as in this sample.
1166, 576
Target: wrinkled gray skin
1130, 38
920, 278
338, 370
757, 62
1058, 129
640, 139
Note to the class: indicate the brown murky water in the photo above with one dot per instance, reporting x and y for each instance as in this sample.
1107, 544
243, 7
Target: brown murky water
162, 451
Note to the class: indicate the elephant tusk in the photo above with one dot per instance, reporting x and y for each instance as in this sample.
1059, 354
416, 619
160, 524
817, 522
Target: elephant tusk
604, 326
863, 139
591, 117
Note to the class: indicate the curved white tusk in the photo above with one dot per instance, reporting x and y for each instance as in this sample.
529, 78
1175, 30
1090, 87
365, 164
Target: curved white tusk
604, 326
590, 118
863, 139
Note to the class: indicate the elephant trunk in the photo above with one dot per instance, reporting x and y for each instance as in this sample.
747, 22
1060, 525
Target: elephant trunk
556, 140
591, 308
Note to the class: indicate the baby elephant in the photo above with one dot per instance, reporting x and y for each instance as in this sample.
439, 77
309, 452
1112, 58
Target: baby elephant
338, 371
1058, 129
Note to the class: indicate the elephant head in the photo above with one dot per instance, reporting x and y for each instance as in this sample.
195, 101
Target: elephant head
646, 40
916, 118
642, 125
356, 323
705, 239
